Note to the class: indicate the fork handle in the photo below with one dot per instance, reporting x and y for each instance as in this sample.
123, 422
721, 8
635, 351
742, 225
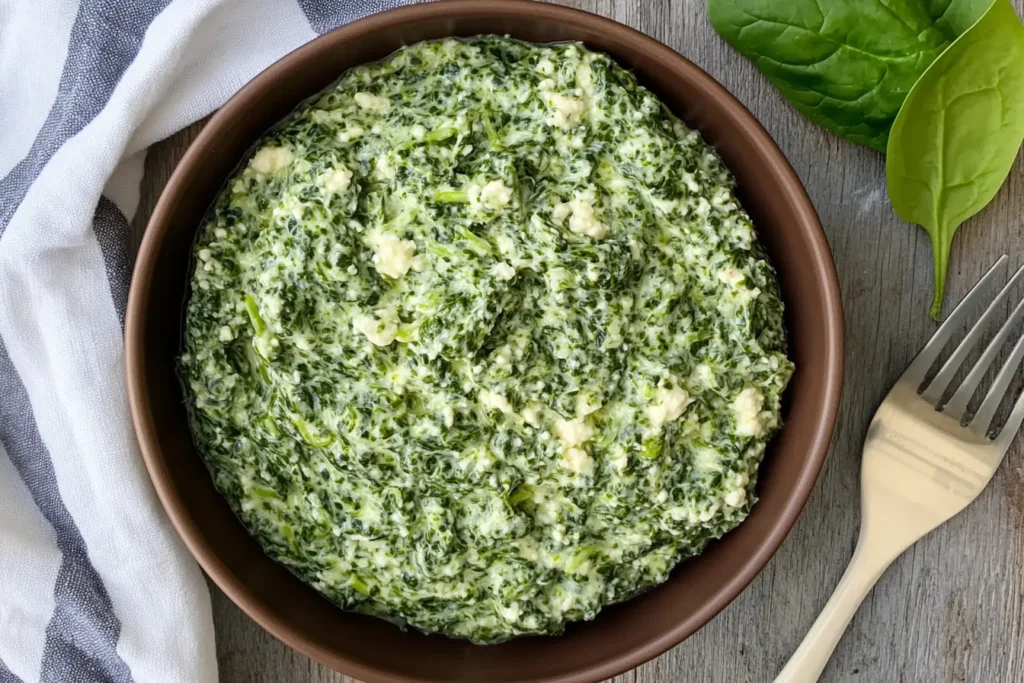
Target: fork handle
865, 568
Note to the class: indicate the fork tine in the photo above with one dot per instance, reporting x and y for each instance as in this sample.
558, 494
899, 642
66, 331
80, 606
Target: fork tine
919, 367
949, 369
982, 421
1013, 424
957, 405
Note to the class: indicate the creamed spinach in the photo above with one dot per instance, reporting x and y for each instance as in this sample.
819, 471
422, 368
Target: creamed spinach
480, 340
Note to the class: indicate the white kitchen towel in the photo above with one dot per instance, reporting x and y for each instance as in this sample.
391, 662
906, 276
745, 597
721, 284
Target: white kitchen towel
94, 583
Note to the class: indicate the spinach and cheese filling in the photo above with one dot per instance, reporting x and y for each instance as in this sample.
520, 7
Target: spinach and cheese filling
480, 340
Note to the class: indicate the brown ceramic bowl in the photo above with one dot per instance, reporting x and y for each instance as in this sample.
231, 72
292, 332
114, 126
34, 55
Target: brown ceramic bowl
623, 636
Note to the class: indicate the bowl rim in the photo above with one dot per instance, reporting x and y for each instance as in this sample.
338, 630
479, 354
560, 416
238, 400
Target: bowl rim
158, 226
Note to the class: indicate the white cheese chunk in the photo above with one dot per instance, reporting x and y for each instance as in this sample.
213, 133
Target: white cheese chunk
497, 402
584, 221
380, 330
735, 498
668, 405
584, 76
271, 159
491, 196
747, 407
503, 271
703, 376
531, 415
338, 180
350, 134
573, 432
577, 460
503, 358
393, 257
567, 111
495, 194
370, 102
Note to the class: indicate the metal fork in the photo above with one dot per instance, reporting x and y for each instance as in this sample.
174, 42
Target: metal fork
925, 460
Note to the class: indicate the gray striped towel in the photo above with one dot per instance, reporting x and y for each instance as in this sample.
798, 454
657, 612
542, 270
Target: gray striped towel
94, 583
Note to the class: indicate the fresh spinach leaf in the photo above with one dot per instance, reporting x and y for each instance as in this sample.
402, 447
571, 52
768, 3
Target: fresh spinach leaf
956, 137
845, 64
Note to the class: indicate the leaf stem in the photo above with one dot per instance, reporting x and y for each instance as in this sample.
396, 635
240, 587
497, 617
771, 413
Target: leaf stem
941, 247
258, 325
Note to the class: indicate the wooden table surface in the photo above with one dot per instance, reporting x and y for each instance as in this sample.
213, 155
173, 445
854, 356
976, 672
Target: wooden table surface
951, 609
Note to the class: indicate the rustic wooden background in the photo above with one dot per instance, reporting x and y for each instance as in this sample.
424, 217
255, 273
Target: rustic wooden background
949, 610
